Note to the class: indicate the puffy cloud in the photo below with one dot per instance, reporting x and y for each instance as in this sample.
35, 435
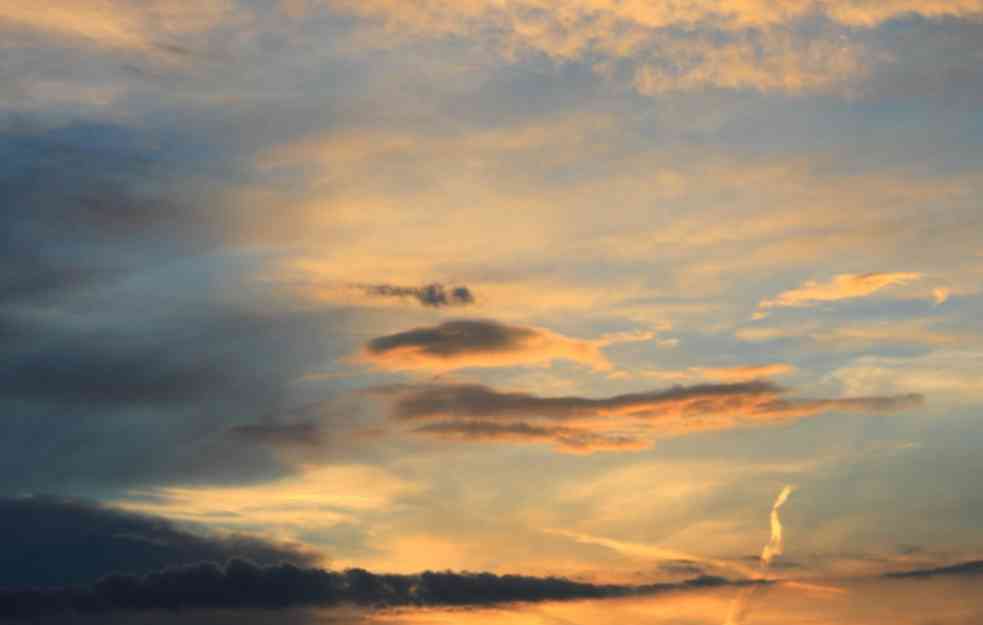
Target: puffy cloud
484, 343
843, 286
481, 413
52, 541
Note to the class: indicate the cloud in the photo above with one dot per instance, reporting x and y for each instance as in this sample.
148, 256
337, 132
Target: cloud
841, 287
241, 584
735, 373
666, 47
313, 496
122, 24
481, 413
52, 541
564, 439
969, 569
278, 434
484, 343
132, 336
432, 295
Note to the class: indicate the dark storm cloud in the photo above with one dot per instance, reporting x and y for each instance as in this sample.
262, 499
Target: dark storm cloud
432, 295
50, 541
241, 584
965, 569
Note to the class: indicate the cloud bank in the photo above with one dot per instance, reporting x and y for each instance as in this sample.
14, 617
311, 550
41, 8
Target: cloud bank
241, 584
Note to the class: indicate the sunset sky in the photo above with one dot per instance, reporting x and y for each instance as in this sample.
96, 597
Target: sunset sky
542, 288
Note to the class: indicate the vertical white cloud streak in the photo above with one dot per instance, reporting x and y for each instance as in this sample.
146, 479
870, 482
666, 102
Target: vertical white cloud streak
741, 607
776, 545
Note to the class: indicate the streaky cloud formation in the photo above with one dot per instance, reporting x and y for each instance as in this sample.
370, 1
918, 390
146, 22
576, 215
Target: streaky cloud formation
243, 584
485, 343
481, 413
843, 286
433, 295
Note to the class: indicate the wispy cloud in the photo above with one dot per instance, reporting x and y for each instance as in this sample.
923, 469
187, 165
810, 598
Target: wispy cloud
841, 287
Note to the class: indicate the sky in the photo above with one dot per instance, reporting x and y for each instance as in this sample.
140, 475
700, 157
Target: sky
495, 311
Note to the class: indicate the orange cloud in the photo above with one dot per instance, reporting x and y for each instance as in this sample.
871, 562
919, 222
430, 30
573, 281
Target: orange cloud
842, 286
484, 343
737, 373
481, 413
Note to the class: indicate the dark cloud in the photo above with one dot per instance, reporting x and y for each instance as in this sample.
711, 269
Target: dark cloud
481, 343
279, 434
965, 569
50, 541
570, 440
454, 338
87, 203
481, 413
432, 295
133, 337
241, 584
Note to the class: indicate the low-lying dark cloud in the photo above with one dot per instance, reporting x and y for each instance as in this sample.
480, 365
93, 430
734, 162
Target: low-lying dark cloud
241, 584
964, 569
481, 413
50, 541
433, 295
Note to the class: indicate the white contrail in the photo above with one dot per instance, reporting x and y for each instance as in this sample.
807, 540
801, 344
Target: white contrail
741, 608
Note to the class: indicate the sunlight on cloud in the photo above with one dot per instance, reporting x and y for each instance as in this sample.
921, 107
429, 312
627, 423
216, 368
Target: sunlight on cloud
128, 24
840, 287
318, 497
